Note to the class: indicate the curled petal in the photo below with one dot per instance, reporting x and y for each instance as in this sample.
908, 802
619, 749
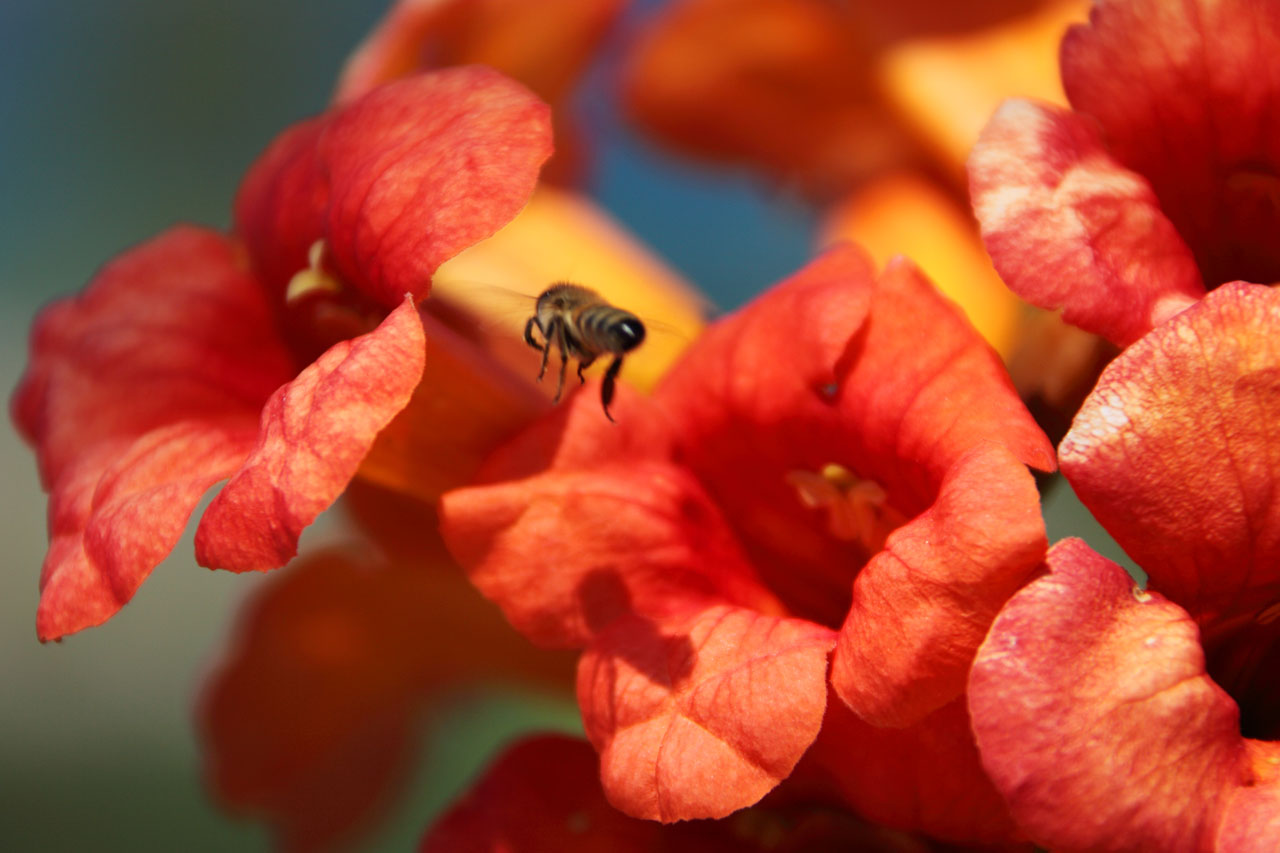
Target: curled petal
566, 553
922, 606
141, 393
1187, 94
1174, 452
1069, 227
702, 714
1120, 674
314, 432
396, 182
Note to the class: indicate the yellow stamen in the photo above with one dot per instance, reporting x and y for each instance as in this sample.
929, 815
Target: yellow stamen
313, 278
857, 508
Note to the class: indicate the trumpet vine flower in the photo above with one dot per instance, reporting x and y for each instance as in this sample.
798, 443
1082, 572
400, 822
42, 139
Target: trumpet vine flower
1095, 209
1118, 718
274, 355
837, 471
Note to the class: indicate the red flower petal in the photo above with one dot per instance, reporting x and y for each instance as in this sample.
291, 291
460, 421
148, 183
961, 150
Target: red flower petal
141, 393
1069, 227
922, 606
1174, 453
542, 794
924, 778
1095, 717
1188, 95
702, 715
396, 182
314, 716
314, 432
883, 378
566, 553
1251, 822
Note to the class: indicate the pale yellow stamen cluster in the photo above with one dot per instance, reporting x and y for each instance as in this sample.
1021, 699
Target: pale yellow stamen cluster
857, 509
313, 278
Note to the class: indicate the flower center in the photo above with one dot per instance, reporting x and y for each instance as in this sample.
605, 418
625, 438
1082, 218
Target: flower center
857, 508
313, 278
1241, 657
320, 309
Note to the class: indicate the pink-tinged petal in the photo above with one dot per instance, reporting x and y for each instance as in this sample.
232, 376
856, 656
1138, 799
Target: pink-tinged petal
922, 606
1188, 94
1096, 719
923, 778
882, 377
565, 553
141, 393
703, 714
314, 432
1069, 227
1174, 452
396, 182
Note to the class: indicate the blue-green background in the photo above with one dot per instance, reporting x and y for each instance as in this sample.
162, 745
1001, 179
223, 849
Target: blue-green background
118, 119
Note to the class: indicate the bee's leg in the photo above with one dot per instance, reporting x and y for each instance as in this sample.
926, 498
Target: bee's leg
528, 332
606, 390
564, 360
584, 364
546, 346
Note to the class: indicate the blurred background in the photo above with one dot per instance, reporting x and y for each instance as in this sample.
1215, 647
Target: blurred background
118, 119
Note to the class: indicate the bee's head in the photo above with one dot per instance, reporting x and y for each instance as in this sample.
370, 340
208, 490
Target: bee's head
630, 333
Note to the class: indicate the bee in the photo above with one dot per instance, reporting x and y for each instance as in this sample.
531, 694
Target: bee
582, 325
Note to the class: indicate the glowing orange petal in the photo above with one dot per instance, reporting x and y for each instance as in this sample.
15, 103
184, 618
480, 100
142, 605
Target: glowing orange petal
906, 214
949, 86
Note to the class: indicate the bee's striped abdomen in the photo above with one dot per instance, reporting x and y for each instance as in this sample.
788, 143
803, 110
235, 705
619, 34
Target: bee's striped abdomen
605, 328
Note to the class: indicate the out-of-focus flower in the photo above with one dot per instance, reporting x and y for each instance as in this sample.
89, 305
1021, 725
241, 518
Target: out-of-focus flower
1115, 718
820, 95
545, 45
314, 716
276, 361
1096, 210
544, 793
839, 465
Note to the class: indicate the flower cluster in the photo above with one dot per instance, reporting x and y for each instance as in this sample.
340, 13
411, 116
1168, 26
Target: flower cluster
801, 590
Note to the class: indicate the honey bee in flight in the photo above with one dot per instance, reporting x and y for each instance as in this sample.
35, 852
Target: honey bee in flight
578, 322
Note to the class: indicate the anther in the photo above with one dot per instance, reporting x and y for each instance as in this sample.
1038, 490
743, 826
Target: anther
313, 277
857, 508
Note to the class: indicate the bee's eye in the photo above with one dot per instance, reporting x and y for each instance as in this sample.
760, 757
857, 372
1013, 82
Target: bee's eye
631, 332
